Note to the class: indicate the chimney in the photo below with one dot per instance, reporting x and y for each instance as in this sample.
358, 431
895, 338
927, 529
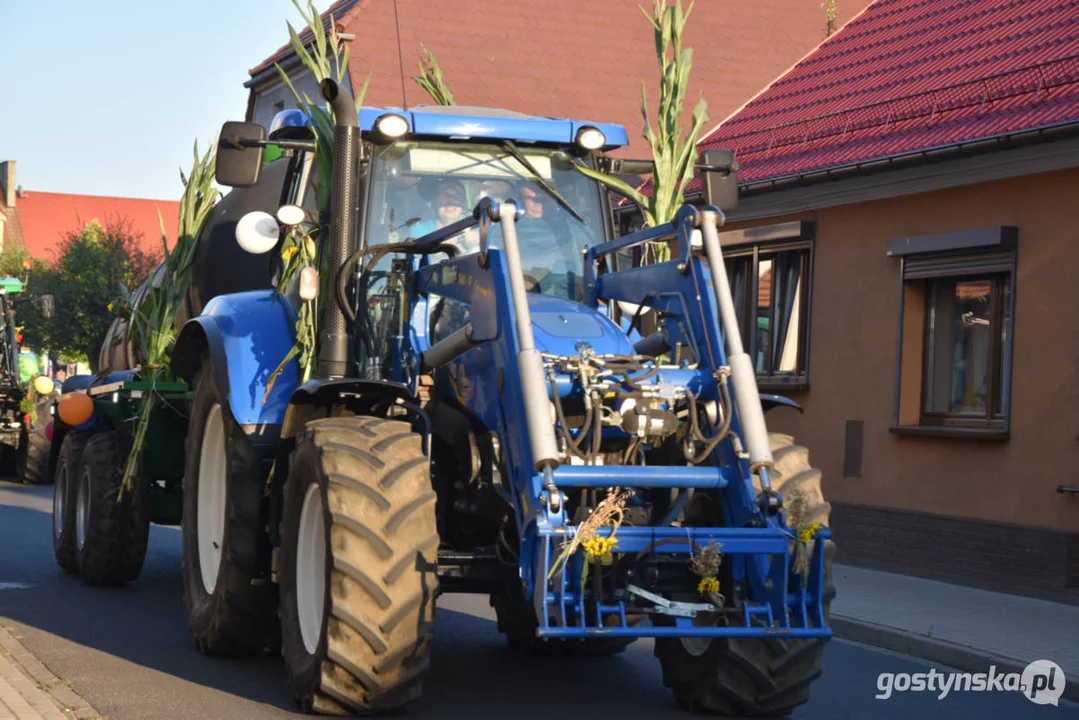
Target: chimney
7, 182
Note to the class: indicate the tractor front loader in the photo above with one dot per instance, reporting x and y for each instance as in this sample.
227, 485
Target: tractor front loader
598, 486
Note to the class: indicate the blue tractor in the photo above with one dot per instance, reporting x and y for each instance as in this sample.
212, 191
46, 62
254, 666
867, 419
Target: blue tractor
484, 402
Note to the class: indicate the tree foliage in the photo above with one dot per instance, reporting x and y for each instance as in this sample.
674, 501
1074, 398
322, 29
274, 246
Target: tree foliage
94, 266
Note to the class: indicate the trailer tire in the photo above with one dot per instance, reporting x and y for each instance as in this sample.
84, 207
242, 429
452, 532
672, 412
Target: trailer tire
231, 611
111, 532
755, 676
517, 621
33, 457
359, 562
64, 495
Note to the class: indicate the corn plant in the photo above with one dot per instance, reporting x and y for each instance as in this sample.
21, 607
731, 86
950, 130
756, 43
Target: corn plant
430, 78
673, 155
153, 322
300, 248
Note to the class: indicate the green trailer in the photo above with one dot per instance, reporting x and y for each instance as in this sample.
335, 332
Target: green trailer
100, 530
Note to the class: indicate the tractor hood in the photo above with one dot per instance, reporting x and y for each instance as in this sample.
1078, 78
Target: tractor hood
559, 324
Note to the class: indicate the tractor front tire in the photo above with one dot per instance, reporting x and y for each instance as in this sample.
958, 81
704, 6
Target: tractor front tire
765, 676
64, 497
359, 561
110, 532
231, 610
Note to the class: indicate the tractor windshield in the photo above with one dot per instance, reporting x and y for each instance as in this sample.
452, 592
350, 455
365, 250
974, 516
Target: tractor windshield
419, 187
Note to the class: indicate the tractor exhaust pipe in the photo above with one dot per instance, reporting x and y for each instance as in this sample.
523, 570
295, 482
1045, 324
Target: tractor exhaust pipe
333, 357
747, 397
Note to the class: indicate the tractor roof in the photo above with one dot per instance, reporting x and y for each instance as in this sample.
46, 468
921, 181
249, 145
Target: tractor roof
461, 122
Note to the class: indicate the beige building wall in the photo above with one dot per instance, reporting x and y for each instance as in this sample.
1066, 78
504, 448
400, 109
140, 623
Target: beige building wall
853, 336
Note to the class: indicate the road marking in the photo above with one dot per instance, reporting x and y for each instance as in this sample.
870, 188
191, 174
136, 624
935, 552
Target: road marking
16, 586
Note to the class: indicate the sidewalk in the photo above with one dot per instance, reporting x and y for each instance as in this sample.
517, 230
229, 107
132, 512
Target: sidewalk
960, 627
28, 691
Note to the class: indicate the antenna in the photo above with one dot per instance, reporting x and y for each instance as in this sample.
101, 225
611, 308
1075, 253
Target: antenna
400, 57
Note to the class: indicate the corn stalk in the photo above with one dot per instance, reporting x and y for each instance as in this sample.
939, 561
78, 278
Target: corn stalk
326, 58
673, 155
430, 78
153, 322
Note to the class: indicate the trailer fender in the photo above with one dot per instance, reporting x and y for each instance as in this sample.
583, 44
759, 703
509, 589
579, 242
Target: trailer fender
246, 336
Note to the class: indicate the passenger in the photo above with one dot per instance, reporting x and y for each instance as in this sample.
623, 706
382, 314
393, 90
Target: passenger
449, 205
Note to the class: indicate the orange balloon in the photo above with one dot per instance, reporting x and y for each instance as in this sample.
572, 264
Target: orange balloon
75, 408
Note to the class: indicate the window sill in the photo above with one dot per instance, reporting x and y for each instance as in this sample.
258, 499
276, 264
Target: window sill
990, 435
771, 385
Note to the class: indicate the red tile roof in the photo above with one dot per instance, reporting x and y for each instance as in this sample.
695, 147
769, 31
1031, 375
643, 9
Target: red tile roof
565, 58
338, 11
46, 217
908, 76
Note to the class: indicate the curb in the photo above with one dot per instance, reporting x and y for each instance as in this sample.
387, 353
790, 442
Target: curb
960, 657
65, 699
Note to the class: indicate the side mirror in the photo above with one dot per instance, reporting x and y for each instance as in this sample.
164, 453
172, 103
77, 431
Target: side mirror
239, 154
719, 179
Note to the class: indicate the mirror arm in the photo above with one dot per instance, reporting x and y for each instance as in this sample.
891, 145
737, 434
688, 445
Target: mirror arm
307, 145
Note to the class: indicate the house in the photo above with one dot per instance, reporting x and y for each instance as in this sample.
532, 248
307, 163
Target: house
555, 57
904, 258
38, 220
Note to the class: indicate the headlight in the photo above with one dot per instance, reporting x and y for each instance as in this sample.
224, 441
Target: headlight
393, 126
591, 138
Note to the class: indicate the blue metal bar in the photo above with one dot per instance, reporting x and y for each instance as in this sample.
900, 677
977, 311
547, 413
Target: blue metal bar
602, 476
691, 631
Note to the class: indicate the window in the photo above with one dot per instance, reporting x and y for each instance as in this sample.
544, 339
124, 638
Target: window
770, 286
956, 333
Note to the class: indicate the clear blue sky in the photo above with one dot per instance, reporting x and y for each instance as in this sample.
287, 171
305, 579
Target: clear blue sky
108, 97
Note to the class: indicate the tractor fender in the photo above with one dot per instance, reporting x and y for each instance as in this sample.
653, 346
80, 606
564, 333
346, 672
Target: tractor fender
246, 336
361, 397
769, 402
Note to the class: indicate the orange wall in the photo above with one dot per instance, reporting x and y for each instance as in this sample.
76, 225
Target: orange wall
855, 308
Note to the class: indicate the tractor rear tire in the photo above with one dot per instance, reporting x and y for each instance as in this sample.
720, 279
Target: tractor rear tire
64, 496
33, 457
111, 532
765, 676
517, 621
359, 561
231, 610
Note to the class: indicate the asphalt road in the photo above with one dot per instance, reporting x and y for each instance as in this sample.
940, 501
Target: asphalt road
128, 653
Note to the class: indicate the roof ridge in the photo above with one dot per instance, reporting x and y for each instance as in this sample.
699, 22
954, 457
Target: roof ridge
31, 193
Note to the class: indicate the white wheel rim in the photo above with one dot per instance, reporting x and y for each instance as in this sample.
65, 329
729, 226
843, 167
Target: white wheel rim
82, 509
213, 483
311, 568
59, 501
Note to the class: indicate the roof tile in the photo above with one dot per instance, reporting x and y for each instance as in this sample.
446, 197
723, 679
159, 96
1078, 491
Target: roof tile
911, 75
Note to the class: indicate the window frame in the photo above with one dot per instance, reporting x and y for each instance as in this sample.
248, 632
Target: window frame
769, 240
979, 253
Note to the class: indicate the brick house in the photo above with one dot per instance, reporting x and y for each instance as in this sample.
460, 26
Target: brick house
905, 251
555, 57
39, 220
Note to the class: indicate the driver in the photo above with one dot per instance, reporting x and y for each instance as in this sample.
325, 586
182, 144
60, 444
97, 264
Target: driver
547, 243
448, 205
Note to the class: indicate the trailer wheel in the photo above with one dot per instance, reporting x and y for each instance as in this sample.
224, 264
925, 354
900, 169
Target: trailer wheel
64, 495
517, 621
230, 608
754, 676
359, 561
110, 532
